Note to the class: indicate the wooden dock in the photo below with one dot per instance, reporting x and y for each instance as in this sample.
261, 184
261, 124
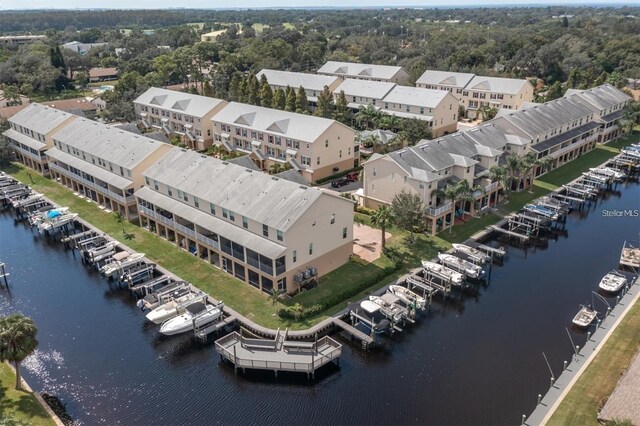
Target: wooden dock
511, 233
363, 337
277, 354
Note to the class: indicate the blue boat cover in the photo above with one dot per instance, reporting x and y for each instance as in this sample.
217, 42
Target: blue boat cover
53, 214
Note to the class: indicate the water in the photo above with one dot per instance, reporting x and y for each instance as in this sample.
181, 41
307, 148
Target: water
473, 361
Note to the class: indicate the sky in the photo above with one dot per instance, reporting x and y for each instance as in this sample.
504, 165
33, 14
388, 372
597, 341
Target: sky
216, 4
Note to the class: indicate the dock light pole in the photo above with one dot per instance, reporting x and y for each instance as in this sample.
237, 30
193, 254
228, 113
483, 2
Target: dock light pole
524, 418
539, 399
564, 367
550, 370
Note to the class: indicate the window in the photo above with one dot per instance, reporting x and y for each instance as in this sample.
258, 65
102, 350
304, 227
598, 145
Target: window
225, 213
155, 185
333, 218
344, 233
326, 143
340, 153
232, 216
282, 284
318, 161
265, 230
295, 256
306, 161
374, 171
280, 235
196, 202
169, 191
245, 222
146, 180
212, 207
310, 249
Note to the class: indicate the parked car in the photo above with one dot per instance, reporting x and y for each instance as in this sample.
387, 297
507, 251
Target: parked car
340, 182
353, 176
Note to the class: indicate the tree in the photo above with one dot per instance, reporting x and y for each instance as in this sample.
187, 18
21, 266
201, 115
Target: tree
82, 79
274, 296
554, 91
324, 107
165, 66
298, 310
601, 79
487, 112
17, 341
631, 117
208, 90
7, 154
501, 174
234, 84
12, 94
414, 130
279, 99
389, 122
462, 112
290, 100
252, 94
340, 112
266, 94
565, 22
458, 192
302, 103
368, 117
409, 212
514, 166
383, 217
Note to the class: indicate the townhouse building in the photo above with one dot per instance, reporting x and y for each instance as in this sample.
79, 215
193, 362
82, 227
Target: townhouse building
475, 92
31, 131
313, 84
268, 232
178, 113
103, 163
438, 108
315, 147
372, 72
561, 130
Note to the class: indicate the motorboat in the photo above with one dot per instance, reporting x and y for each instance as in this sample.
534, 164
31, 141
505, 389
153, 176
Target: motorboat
368, 314
407, 296
121, 262
608, 171
585, 317
37, 218
173, 307
613, 281
542, 211
473, 253
392, 311
163, 294
57, 222
461, 265
196, 314
99, 253
442, 272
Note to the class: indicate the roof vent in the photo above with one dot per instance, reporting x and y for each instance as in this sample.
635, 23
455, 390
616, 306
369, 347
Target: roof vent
225, 163
274, 178
303, 187
248, 170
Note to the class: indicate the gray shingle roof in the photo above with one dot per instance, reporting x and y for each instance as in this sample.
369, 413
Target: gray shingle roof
297, 79
601, 97
275, 202
302, 127
40, 118
180, 102
293, 176
25, 140
245, 162
445, 78
90, 168
116, 146
354, 69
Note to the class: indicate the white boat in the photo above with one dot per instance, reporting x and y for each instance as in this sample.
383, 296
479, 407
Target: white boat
51, 224
613, 281
395, 313
120, 262
461, 265
608, 171
584, 317
407, 296
196, 313
37, 218
173, 307
443, 272
99, 253
472, 252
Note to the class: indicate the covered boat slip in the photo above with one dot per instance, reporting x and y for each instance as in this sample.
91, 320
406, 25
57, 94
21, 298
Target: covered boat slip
278, 354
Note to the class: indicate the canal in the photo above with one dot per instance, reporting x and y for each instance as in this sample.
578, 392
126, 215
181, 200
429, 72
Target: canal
477, 360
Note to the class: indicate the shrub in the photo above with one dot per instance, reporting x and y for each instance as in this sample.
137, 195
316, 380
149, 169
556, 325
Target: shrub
365, 210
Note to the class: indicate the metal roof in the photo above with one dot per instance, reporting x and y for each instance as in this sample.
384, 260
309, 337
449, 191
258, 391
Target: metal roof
297, 79
24, 139
180, 102
116, 146
40, 118
225, 229
353, 69
445, 78
564, 137
417, 96
275, 202
302, 127
365, 88
510, 86
601, 97
90, 169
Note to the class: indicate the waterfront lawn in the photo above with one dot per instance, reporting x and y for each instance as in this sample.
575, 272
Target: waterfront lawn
463, 232
19, 407
243, 298
583, 402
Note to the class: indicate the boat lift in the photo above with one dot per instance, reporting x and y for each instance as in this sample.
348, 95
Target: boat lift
139, 274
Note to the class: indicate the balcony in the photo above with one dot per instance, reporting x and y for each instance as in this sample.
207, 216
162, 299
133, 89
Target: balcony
188, 231
208, 241
29, 153
573, 146
146, 211
99, 188
445, 208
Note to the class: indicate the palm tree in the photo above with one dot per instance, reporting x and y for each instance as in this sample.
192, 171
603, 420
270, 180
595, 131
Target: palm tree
274, 296
449, 192
389, 122
466, 193
298, 310
631, 117
12, 94
528, 164
545, 164
275, 168
514, 167
383, 217
368, 117
17, 341
502, 175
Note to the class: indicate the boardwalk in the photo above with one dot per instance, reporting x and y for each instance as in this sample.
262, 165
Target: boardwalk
623, 403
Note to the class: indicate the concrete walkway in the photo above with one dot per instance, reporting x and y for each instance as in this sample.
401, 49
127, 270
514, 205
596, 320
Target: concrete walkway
586, 355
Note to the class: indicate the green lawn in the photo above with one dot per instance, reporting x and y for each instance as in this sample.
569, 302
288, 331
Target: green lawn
67, 94
19, 407
463, 232
588, 395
